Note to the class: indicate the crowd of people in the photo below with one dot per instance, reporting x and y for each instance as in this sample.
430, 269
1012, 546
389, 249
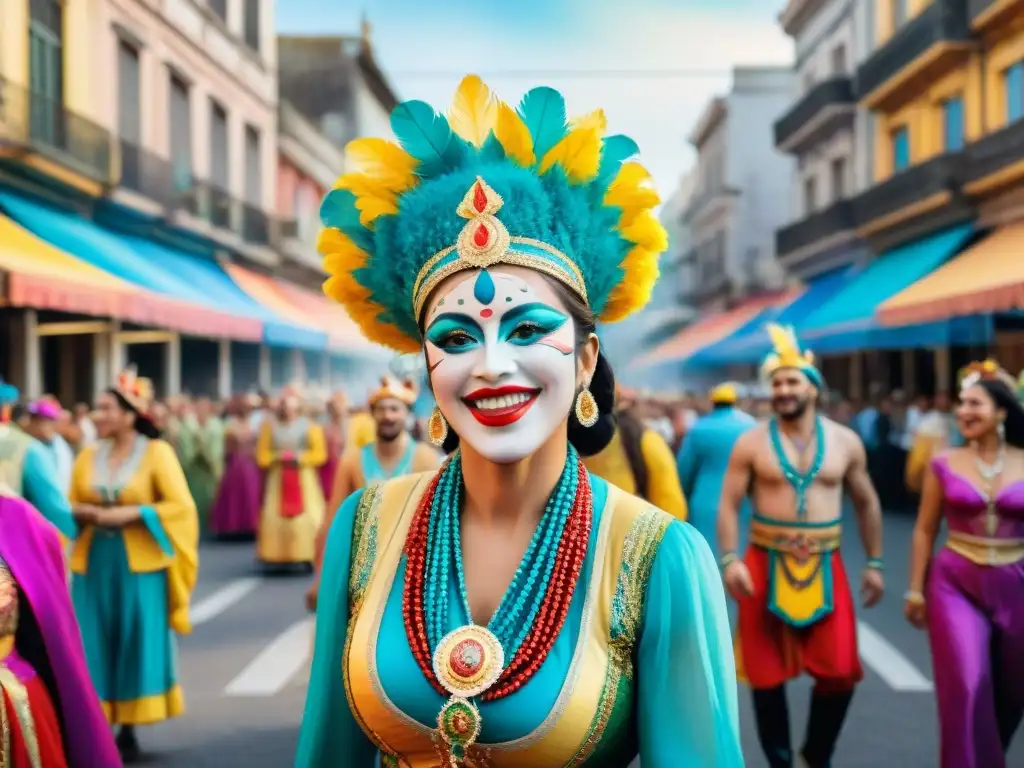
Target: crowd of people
537, 575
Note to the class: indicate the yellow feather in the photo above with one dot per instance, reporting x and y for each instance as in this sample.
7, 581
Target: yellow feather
640, 273
474, 111
373, 199
578, 154
631, 175
787, 349
514, 136
387, 163
372, 208
647, 231
595, 119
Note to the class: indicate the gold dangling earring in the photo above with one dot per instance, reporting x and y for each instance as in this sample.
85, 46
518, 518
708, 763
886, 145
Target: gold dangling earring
437, 428
586, 408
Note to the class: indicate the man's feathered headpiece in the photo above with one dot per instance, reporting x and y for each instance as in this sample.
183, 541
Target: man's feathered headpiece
488, 184
787, 354
984, 370
404, 391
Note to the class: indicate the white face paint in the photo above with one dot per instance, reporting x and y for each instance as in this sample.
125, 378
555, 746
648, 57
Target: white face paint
500, 351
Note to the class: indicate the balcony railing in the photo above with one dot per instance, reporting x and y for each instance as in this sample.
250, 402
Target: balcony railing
838, 217
151, 175
222, 204
288, 229
45, 127
990, 14
942, 21
836, 92
944, 173
994, 152
255, 225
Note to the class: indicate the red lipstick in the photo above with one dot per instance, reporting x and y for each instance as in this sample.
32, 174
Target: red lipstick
501, 406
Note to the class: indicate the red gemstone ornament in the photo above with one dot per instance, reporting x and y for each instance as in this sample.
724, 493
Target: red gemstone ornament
467, 658
481, 236
479, 199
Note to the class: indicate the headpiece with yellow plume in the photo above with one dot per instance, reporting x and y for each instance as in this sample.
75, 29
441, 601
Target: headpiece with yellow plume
391, 389
788, 355
984, 370
489, 184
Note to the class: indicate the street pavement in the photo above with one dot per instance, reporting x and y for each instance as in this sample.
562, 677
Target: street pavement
244, 669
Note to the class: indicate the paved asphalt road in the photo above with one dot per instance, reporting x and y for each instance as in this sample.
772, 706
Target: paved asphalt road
245, 665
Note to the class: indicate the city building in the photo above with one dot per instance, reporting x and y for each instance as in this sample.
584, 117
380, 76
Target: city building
138, 187
822, 128
742, 190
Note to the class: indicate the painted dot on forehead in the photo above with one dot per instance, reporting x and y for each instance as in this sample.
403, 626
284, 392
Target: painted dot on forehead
483, 288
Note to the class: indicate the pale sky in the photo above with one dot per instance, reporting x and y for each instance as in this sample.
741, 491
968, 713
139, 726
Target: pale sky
425, 48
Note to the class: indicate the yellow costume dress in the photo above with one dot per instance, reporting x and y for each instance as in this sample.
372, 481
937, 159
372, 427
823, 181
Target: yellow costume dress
291, 453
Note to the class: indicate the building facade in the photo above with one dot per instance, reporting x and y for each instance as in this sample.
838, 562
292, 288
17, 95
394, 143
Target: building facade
822, 129
741, 189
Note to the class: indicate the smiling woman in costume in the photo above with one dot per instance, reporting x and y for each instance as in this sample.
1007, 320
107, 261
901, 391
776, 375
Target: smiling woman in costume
510, 609
969, 594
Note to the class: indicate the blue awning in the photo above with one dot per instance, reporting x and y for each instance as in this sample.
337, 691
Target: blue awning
750, 344
218, 287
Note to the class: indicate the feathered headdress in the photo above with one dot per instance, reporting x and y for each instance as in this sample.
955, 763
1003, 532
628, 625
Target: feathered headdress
787, 354
136, 391
404, 391
488, 184
984, 370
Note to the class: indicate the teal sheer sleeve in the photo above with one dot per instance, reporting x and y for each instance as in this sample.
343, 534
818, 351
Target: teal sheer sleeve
686, 673
330, 735
151, 520
42, 490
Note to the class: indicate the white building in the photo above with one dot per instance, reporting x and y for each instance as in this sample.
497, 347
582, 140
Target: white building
741, 189
825, 131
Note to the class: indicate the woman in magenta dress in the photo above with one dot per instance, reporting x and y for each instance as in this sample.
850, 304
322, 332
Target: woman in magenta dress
334, 435
236, 509
50, 714
970, 595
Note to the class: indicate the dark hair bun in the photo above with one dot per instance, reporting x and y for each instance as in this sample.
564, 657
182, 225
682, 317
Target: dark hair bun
594, 439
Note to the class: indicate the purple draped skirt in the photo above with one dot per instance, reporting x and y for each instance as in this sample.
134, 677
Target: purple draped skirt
236, 510
976, 629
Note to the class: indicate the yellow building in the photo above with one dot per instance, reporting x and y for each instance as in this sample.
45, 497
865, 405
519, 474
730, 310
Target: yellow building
945, 84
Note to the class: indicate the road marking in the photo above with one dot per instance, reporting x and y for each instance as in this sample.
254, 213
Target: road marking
276, 664
891, 665
214, 605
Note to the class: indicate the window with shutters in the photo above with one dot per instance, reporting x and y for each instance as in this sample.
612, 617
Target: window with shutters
180, 111
220, 170
253, 166
1013, 80
252, 24
953, 123
900, 148
46, 76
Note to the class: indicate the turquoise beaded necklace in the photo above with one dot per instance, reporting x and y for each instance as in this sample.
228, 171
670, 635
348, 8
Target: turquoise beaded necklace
514, 617
801, 481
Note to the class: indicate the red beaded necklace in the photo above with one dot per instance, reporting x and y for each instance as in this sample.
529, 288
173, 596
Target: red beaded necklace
572, 549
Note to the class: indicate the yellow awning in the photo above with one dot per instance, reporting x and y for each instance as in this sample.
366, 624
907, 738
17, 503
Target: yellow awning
986, 278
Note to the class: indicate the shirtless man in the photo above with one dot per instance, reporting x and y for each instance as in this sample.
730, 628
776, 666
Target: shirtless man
393, 453
796, 610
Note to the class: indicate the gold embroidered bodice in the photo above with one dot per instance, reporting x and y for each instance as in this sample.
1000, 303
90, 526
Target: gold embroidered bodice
8, 602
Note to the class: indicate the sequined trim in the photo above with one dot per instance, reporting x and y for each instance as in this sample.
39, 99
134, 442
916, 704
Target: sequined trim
638, 551
365, 530
5, 734
605, 707
23, 713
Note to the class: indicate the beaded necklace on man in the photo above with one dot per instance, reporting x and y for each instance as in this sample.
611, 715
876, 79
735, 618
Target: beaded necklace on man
801, 481
490, 662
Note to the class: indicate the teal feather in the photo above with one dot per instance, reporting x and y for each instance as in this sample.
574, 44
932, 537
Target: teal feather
339, 210
491, 151
616, 150
427, 136
543, 111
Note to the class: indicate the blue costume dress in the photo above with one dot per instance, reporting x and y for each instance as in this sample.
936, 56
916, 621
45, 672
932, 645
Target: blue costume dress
703, 461
28, 469
643, 663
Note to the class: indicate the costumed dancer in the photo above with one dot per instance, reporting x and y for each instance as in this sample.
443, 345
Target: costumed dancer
201, 448
291, 450
704, 459
334, 437
134, 563
970, 595
50, 716
640, 462
28, 470
236, 510
936, 431
44, 419
796, 610
533, 614
392, 454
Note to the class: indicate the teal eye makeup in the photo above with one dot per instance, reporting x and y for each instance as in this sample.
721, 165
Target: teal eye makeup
529, 323
455, 333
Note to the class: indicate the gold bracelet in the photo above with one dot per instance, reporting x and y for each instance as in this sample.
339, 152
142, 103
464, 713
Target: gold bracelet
727, 559
914, 597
